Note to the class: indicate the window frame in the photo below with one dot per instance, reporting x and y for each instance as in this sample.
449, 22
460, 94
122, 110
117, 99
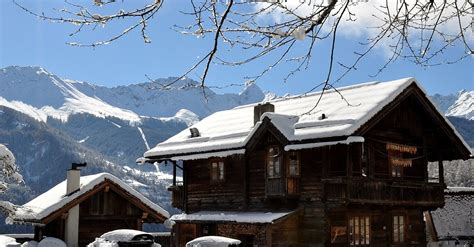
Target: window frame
353, 228
401, 236
218, 173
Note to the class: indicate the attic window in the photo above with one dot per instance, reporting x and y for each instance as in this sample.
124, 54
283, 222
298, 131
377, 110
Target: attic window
194, 132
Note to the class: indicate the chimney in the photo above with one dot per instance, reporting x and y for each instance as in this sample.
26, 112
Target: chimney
72, 221
74, 178
259, 109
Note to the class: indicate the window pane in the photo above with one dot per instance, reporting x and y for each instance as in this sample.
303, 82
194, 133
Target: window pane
367, 230
294, 166
277, 166
351, 230
362, 231
270, 169
356, 232
213, 171
221, 170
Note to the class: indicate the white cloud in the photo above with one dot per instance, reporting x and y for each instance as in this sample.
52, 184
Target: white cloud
368, 17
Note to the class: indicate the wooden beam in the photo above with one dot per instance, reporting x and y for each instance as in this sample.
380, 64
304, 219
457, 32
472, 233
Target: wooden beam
440, 172
64, 215
174, 172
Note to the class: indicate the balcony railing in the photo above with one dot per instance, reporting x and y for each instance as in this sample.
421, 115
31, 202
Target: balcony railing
355, 190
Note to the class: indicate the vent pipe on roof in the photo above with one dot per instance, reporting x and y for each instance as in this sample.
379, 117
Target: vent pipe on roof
259, 109
72, 221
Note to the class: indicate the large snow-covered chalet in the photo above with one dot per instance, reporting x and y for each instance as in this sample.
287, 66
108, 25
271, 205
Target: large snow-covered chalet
350, 171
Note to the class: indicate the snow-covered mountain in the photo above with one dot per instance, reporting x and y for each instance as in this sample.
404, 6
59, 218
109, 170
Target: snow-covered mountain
121, 121
463, 107
460, 105
41, 94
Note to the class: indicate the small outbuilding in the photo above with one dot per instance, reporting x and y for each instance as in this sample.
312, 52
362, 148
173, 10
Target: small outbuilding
452, 225
80, 209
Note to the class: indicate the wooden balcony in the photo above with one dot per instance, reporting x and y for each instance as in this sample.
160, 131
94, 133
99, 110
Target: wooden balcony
384, 192
177, 197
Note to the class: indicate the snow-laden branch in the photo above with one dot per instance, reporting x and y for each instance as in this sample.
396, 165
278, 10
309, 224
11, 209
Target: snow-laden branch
287, 32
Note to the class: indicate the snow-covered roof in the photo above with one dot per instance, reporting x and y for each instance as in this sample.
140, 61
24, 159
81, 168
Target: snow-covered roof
122, 235
212, 241
459, 190
456, 218
56, 198
294, 117
231, 217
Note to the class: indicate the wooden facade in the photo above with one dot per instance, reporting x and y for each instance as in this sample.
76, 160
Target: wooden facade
370, 193
105, 208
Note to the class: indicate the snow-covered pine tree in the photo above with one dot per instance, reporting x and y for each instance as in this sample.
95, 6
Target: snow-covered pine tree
9, 169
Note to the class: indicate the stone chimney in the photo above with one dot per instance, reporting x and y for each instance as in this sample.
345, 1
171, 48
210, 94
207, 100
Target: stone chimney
72, 221
259, 109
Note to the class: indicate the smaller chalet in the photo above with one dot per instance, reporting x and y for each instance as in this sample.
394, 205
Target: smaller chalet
452, 225
80, 209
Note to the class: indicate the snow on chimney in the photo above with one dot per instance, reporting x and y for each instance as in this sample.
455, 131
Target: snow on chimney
72, 220
259, 109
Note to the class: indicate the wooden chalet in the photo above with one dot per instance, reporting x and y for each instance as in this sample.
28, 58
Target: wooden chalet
349, 171
98, 204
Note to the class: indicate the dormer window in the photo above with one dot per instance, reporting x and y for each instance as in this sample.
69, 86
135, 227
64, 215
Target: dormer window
217, 171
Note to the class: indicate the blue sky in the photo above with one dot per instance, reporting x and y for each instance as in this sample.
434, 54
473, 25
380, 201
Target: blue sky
27, 41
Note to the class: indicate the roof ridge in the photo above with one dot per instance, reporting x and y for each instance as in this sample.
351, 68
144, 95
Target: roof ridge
331, 90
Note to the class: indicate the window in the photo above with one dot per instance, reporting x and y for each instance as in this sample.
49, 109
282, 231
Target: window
359, 230
217, 171
398, 229
273, 162
396, 158
293, 165
397, 171
293, 173
274, 183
